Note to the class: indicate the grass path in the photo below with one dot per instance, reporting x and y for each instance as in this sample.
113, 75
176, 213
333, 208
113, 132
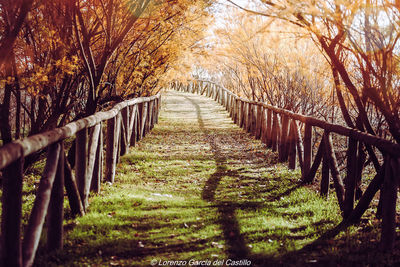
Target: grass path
198, 188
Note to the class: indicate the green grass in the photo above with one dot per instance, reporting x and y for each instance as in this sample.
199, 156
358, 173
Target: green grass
199, 188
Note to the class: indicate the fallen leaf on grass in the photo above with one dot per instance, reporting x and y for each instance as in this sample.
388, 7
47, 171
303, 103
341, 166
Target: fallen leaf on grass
217, 245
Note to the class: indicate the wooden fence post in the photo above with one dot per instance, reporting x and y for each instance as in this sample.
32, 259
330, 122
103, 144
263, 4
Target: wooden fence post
238, 111
324, 189
97, 172
350, 181
71, 187
251, 124
81, 159
252, 118
309, 178
156, 109
241, 111
125, 130
307, 151
55, 216
11, 213
132, 118
268, 134
283, 146
337, 181
150, 116
153, 112
92, 155
140, 118
143, 121
135, 131
247, 114
113, 126
122, 143
241, 114
205, 88
275, 131
229, 103
259, 120
299, 144
40, 206
361, 158
292, 142
234, 110
264, 126
390, 187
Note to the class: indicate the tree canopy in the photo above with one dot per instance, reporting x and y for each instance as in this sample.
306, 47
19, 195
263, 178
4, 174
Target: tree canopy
62, 60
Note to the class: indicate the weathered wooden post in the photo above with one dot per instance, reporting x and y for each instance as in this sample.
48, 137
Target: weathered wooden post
268, 133
298, 143
81, 160
264, 125
292, 145
241, 113
337, 181
283, 147
324, 188
309, 178
158, 106
40, 206
134, 136
307, 151
132, 111
143, 120
253, 122
259, 120
150, 115
350, 181
55, 216
93, 156
113, 128
237, 111
97, 176
248, 117
252, 119
125, 130
71, 187
154, 112
275, 131
140, 120
232, 110
390, 188
11, 213
203, 88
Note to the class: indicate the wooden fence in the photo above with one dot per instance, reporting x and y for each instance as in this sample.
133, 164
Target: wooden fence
290, 134
125, 124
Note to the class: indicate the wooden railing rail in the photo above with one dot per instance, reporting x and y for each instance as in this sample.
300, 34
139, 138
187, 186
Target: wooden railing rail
280, 130
126, 123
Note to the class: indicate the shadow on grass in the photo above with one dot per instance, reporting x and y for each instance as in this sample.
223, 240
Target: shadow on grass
236, 241
214, 226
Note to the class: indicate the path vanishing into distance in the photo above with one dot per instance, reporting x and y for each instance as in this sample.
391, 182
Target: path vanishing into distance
200, 191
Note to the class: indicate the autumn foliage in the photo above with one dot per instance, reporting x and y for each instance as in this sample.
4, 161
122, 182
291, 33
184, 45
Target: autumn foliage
62, 60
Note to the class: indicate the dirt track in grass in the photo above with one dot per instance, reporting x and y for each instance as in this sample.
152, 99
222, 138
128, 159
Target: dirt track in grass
199, 190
